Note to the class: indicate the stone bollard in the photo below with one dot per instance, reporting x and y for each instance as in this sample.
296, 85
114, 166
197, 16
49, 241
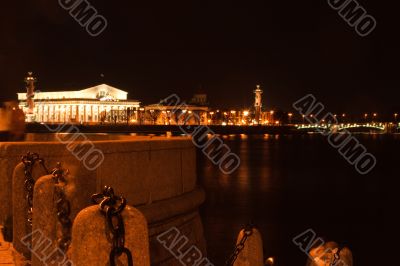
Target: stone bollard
57, 200
252, 252
24, 177
330, 254
93, 240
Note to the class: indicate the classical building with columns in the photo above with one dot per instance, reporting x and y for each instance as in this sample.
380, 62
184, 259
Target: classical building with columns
98, 104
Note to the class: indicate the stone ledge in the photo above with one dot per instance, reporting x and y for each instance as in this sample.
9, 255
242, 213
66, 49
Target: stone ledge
143, 169
158, 212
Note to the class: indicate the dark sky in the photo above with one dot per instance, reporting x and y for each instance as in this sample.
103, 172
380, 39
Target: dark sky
224, 48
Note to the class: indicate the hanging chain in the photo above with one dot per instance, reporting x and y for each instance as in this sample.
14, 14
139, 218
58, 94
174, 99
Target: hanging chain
247, 231
29, 160
336, 258
112, 206
63, 207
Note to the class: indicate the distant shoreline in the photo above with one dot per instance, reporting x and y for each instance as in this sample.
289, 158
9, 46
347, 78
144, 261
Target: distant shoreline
175, 130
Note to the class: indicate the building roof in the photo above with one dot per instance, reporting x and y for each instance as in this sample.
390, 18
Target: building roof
100, 92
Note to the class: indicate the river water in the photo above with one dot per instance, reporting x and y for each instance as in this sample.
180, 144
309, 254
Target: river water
287, 184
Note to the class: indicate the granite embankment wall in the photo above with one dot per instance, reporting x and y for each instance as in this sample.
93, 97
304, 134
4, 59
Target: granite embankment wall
157, 175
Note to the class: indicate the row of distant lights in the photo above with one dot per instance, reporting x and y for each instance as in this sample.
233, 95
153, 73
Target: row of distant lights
365, 115
247, 113
342, 126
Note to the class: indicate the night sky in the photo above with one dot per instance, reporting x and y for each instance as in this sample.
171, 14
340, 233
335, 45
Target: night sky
223, 48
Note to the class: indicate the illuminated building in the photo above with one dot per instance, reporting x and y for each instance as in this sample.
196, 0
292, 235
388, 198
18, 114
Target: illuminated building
160, 114
101, 103
199, 99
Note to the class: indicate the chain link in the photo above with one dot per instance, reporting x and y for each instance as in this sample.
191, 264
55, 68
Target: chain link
247, 231
112, 206
63, 207
336, 257
29, 160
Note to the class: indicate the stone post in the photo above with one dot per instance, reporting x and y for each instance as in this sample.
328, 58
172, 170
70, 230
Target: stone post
77, 187
252, 253
91, 244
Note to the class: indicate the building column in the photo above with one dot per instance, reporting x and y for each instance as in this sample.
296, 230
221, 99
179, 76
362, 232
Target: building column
91, 113
64, 113
77, 115
39, 113
100, 111
43, 114
65, 109
47, 114
70, 113
53, 115
109, 113
118, 115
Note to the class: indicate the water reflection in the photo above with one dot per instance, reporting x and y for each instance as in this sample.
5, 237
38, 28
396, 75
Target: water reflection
287, 184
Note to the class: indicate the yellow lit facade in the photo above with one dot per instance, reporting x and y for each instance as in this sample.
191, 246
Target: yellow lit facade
101, 103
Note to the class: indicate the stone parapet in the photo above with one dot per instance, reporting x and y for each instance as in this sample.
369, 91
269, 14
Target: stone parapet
155, 174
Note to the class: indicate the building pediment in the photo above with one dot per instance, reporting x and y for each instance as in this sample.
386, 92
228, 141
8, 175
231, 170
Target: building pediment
101, 92
105, 92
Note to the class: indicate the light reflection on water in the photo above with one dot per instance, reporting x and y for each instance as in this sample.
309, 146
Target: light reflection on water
287, 184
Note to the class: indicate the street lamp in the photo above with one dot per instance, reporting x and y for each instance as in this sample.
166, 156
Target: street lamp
233, 117
290, 117
395, 117
141, 115
272, 116
211, 117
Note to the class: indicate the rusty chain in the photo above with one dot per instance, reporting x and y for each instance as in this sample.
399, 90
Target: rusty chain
29, 160
336, 257
247, 231
112, 206
63, 207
